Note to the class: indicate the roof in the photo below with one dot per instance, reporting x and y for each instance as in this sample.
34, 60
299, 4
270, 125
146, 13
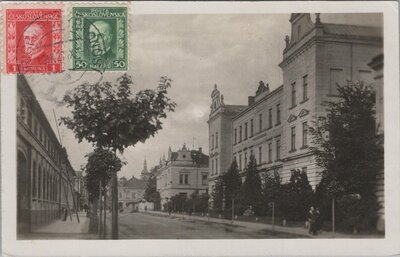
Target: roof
135, 183
202, 160
352, 30
174, 156
236, 107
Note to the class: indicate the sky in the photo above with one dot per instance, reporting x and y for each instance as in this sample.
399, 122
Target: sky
196, 51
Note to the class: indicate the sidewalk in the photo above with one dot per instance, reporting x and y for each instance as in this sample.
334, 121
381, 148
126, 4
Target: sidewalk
59, 229
254, 226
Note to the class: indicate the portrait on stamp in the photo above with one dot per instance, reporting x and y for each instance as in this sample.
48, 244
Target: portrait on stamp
32, 42
99, 38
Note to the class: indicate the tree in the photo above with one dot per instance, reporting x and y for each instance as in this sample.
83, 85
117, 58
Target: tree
218, 195
251, 188
100, 165
349, 150
111, 116
151, 194
272, 190
296, 196
232, 182
227, 186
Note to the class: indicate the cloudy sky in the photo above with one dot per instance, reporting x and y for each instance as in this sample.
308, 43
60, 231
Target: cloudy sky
196, 51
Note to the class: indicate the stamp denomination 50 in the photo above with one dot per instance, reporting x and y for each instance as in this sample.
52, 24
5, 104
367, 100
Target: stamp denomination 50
100, 38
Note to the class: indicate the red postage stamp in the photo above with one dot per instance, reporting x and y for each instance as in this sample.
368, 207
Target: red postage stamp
33, 40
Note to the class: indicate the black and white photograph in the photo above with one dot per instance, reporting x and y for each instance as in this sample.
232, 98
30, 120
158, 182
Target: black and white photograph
220, 126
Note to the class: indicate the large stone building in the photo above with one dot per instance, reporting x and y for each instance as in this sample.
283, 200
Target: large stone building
184, 172
131, 191
377, 65
45, 177
274, 125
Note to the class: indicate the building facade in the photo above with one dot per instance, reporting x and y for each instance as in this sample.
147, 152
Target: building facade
274, 125
183, 172
377, 65
45, 177
131, 192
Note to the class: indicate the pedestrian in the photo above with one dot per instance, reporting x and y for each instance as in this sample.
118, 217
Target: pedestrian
310, 221
318, 220
314, 221
65, 214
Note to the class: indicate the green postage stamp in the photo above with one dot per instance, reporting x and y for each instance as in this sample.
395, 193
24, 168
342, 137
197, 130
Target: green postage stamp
100, 38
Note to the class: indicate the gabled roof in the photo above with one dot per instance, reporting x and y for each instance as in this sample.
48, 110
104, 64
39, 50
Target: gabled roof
135, 183
352, 30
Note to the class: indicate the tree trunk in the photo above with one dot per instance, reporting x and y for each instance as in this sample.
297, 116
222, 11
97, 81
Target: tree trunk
114, 214
93, 224
104, 217
100, 210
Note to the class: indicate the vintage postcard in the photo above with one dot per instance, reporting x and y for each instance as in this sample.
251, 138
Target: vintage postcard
200, 128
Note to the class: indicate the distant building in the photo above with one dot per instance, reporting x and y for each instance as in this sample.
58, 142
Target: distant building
82, 195
131, 192
274, 125
45, 177
184, 172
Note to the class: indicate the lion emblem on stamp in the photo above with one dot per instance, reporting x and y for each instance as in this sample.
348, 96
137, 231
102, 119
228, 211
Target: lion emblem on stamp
33, 40
100, 38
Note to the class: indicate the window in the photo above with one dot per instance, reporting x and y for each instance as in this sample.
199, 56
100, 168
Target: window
270, 152
305, 88
40, 134
34, 179
216, 166
293, 139
204, 180
40, 182
22, 109
293, 94
304, 169
278, 114
245, 159
240, 134
270, 117
212, 167
44, 185
245, 131
183, 179
260, 122
120, 195
251, 127
305, 132
216, 140
298, 32
278, 149
240, 162
260, 154
35, 128
133, 195
212, 141
30, 119
235, 136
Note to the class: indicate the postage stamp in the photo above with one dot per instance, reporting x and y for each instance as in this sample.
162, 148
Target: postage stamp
100, 38
33, 40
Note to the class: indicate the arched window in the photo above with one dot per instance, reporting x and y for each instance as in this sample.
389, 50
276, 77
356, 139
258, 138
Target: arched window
34, 179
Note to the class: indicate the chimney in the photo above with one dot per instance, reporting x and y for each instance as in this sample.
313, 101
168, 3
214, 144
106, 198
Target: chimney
200, 149
251, 100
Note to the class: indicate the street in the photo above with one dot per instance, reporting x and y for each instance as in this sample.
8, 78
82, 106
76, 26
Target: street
148, 226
